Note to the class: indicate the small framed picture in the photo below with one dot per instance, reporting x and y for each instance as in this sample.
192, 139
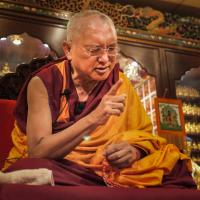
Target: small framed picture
170, 120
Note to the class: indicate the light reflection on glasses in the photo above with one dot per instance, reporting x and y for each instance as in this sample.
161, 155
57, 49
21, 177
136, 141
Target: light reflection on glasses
99, 51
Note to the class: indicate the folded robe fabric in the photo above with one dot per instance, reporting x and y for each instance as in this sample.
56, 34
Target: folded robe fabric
133, 126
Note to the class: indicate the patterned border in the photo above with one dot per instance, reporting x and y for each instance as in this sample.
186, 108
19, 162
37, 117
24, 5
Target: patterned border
33, 10
130, 33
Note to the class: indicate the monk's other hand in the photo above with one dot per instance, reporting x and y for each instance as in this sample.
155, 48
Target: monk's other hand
121, 155
111, 104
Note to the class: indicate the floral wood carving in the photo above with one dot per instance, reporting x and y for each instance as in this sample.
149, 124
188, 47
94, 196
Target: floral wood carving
128, 16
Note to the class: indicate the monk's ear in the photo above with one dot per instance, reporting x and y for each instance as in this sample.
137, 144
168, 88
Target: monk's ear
66, 49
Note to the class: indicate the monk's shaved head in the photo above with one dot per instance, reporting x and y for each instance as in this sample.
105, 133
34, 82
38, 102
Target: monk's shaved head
80, 22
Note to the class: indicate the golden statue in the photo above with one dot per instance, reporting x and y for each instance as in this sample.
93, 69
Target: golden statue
5, 69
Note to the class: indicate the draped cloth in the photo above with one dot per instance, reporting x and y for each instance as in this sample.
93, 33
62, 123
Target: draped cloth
133, 126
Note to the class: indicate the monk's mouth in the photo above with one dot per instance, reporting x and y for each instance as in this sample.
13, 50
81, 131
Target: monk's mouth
102, 69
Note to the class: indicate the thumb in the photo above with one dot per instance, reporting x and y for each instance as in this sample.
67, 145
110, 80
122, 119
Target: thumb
115, 87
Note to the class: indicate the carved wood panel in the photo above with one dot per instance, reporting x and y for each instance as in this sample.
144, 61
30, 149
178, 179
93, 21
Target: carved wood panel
177, 63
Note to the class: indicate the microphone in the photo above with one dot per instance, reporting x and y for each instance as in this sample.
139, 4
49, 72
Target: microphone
66, 93
79, 106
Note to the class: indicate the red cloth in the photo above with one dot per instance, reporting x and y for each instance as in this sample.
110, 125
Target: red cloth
64, 172
69, 173
24, 192
179, 177
6, 126
78, 183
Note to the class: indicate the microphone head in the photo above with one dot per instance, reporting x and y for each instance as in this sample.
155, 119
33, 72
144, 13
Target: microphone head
66, 93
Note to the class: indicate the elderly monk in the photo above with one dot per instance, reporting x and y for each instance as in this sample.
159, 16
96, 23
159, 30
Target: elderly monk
81, 118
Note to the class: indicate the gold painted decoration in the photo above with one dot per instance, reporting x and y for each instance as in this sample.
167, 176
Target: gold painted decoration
126, 16
5, 69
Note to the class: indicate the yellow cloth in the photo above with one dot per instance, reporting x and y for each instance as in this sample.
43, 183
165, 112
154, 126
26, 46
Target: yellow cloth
19, 149
133, 126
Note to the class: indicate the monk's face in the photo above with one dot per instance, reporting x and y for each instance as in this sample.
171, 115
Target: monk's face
89, 57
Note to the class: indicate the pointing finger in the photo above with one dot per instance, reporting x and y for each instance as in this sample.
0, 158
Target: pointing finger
115, 87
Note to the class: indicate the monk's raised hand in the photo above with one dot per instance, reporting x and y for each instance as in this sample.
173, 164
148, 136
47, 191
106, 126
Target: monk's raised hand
111, 104
115, 87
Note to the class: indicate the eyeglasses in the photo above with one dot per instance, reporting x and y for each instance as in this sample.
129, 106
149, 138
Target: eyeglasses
99, 51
